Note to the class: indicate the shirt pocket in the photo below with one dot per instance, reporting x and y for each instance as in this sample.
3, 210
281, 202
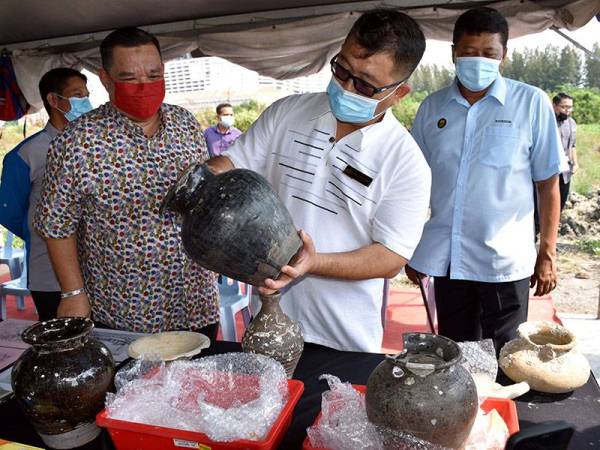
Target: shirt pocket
499, 146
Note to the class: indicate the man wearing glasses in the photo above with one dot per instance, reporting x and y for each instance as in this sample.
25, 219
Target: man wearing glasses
353, 179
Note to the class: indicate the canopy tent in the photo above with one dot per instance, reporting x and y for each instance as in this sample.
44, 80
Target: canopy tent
277, 38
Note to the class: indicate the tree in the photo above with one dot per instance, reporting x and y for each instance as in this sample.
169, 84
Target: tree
592, 68
569, 67
546, 68
515, 66
430, 78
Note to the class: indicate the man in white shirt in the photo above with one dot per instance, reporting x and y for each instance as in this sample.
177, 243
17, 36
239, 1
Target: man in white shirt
353, 179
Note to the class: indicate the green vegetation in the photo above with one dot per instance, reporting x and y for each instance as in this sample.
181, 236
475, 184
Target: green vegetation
406, 110
245, 115
588, 155
591, 246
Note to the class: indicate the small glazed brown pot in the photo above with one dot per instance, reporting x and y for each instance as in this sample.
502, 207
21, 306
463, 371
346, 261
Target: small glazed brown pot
61, 381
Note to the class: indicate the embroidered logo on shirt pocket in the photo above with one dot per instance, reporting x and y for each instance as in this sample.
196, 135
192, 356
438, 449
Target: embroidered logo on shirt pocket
499, 145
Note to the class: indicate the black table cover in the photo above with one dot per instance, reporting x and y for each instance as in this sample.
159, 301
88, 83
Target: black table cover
580, 408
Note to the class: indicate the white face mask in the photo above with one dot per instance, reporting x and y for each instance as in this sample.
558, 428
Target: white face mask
353, 108
226, 121
477, 73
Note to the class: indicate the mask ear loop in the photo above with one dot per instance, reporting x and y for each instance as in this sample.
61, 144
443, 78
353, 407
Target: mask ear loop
64, 98
385, 98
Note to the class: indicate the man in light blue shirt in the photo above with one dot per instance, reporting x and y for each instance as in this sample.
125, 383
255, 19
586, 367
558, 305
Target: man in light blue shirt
486, 138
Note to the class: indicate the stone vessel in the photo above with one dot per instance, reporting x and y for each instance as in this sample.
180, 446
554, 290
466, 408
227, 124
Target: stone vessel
545, 356
274, 334
424, 391
61, 380
234, 223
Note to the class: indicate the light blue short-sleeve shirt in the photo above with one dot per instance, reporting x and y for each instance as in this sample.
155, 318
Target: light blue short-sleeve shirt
484, 159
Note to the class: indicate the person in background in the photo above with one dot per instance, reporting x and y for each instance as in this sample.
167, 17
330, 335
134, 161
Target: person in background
116, 257
487, 139
563, 108
352, 178
65, 96
220, 136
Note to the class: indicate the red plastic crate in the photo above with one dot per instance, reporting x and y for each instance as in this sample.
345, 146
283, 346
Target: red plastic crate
505, 407
138, 436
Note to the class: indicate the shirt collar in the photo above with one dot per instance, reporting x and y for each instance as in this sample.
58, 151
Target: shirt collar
216, 128
130, 125
322, 109
496, 90
52, 130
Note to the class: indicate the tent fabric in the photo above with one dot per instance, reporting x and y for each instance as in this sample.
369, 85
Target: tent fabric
287, 46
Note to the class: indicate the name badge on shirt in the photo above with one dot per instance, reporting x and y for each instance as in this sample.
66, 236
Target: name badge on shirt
357, 175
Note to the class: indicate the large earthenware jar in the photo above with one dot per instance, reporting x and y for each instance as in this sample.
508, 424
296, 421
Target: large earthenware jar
61, 380
424, 391
273, 333
545, 356
234, 223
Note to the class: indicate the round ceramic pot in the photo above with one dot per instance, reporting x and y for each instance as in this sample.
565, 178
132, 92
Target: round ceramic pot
273, 333
61, 380
545, 356
424, 391
234, 223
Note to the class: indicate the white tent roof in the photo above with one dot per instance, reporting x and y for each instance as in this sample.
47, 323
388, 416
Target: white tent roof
277, 38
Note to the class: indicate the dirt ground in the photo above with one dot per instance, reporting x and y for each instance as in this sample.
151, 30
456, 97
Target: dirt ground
578, 289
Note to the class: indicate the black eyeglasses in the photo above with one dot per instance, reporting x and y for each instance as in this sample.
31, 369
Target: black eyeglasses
362, 87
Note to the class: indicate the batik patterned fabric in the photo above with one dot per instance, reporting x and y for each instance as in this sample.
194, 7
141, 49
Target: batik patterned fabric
105, 182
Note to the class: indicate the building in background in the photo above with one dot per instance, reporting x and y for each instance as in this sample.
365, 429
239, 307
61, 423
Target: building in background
198, 83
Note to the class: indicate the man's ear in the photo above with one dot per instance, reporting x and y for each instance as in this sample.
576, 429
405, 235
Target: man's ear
452, 53
504, 59
52, 100
401, 92
105, 80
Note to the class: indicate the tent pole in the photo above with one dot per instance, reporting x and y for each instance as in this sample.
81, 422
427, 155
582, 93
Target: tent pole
575, 43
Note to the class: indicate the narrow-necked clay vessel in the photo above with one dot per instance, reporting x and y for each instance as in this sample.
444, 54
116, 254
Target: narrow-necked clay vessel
273, 333
544, 356
424, 391
61, 380
234, 223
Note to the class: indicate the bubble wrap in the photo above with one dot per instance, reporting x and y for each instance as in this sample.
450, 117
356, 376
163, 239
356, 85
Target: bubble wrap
479, 357
488, 433
228, 397
344, 424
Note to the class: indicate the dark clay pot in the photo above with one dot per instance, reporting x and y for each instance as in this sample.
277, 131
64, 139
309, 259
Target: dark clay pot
234, 223
424, 391
273, 333
61, 380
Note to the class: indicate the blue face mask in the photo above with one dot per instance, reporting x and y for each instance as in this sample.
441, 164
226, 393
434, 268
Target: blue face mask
477, 73
352, 108
79, 106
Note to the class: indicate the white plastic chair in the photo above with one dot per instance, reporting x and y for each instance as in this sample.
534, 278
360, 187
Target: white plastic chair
17, 288
12, 257
232, 301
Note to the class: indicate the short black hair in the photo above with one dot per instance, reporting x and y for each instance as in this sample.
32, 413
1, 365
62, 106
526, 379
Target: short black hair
393, 32
55, 80
125, 37
560, 97
481, 20
220, 106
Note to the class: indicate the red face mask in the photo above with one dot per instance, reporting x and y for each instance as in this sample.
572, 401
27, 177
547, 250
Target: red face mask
139, 100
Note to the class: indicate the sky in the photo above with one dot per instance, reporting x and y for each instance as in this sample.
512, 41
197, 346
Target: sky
438, 52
